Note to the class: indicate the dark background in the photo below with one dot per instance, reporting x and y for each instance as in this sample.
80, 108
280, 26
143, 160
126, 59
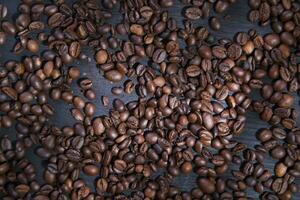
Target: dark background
233, 20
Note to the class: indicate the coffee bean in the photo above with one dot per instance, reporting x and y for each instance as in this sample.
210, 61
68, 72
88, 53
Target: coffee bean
91, 170
215, 23
193, 13
193, 70
101, 56
2, 38
113, 75
33, 46
8, 28
206, 185
3, 11
264, 135
278, 152
159, 55
286, 101
221, 6
102, 185
75, 49
105, 101
56, 19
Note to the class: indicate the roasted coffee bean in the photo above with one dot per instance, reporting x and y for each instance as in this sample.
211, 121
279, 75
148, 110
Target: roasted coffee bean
113, 75
193, 13
215, 23
159, 55
91, 170
2, 38
3, 11
9, 28
101, 56
75, 49
206, 185
33, 45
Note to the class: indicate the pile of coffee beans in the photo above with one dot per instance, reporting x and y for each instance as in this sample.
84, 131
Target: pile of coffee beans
193, 94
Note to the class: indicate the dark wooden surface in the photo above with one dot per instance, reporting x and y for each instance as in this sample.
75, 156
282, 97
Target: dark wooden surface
235, 21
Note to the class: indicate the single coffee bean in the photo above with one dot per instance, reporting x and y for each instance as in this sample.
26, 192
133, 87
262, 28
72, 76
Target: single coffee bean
215, 23
113, 75
193, 13
91, 170
105, 101
3, 11
206, 185
159, 55
264, 135
33, 45
75, 49
2, 38
221, 6
101, 56
9, 28
278, 152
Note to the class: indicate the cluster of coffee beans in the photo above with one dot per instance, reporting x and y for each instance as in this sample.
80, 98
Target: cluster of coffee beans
193, 94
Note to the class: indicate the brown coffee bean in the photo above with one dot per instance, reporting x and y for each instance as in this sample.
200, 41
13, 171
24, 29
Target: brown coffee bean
206, 185
286, 101
159, 55
101, 56
105, 101
98, 126
221, 6
9, 28
193, 13
3, 11
264, 135
75, 49
215, 23
120, 166
278, 152
91, 170
2, 38
33, 46
280, 169
56, 19
102, 185
193, 70
113, 75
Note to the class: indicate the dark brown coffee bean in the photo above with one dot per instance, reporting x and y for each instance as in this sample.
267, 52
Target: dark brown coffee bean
3, 11
264, 12
91, 170
272, 40
193, 70
206, 185
215, 23
56, 19
113, 75
159, 55
98, 126
193, 13
278, 152
9, 28
2, 38
286, 101
120, 166
101, 185
105, 101
221, 6
264, 135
